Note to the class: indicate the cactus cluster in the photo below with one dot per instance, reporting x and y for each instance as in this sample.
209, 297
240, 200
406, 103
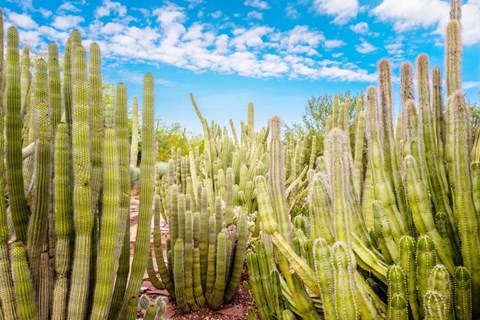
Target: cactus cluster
207, 198
390, 233
64, 227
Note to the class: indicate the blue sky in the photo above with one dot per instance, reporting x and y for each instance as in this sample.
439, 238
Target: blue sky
274, 53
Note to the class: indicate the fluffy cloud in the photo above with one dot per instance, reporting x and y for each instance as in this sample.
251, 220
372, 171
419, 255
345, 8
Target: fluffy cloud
257, 4
108, 7
291, 12
23, 21
331, 44
361, 28
255, 15
343, 10
365, 47
411, 14
68, 7
168, 36
407, 14
67, 22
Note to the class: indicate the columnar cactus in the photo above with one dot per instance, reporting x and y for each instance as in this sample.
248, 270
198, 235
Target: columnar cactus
82, 192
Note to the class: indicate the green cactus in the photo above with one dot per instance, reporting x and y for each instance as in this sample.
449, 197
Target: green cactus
96, 123
122, 249
13, 138
435, 306
106, 265
397, 290
134, 144
463, 293
63, 227
82, 193
147, 182
24, 291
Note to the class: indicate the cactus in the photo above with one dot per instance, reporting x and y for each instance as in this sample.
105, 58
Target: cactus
62, 222
82, 193
106, 265
13, 138
134, 144
24, 291
147, 167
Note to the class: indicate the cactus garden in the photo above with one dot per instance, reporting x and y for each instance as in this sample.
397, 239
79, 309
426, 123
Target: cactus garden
375, 217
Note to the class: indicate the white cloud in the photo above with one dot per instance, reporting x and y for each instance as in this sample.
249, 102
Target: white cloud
23, 21
68, 7
108, 7
343, 10
361, 28
407, 14
67, 22
257, 4
167, 37
255, 15
45, 13
471, 85
331, 44
365, 47
394, 48
217, 14
112, 28
291, 12
412, 14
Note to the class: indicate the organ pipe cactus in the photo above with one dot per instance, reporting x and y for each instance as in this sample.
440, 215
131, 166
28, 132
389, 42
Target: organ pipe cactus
60, 279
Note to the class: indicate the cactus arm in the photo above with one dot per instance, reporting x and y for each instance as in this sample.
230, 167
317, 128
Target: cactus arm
122, 250
257, 287
435, 306
464, 208
346, 306
24, 291
407, 262
425, 260
324, 274
463, 293
439, 280
421, 212
197, 279
96, 119
106, 265
82, 193
134, 144
147, 181
188, 261
210, 275
37, 228
13, 138
159, 257
179, 276
61, 185
220, 277
397, 292
239, 259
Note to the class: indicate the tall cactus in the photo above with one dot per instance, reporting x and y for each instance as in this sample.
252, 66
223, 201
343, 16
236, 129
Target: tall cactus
63, 226
106, 264
13, 138
82, 192
147, 177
